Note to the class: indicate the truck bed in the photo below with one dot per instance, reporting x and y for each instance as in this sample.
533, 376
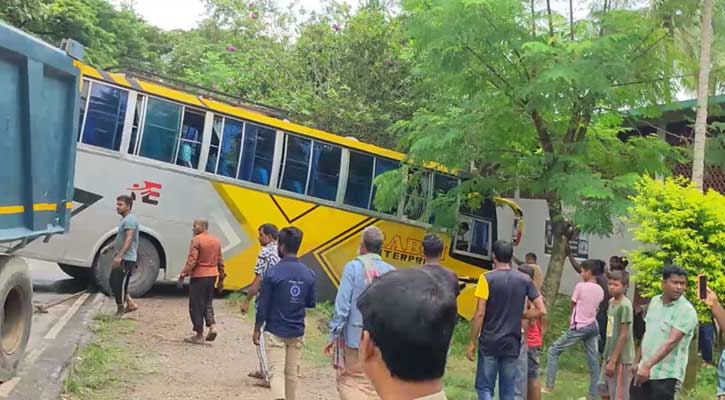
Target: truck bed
39, 105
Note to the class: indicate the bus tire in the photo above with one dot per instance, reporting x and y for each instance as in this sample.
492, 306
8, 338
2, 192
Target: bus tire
76, 272
16, 313
143, 278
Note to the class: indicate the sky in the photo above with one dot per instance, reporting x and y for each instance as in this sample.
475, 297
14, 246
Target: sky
186, 14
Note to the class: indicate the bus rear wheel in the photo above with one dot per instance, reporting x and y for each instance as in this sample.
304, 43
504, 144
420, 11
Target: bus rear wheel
76, 272
16, 313
143, 278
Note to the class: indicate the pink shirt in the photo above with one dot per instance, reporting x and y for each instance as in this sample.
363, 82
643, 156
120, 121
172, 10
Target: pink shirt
587, 296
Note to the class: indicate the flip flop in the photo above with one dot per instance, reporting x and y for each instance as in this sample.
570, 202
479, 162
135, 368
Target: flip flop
211, 336
193, 340
263, 384
256, 375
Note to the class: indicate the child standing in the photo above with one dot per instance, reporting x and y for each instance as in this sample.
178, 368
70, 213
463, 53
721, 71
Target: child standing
619, 350
582, 326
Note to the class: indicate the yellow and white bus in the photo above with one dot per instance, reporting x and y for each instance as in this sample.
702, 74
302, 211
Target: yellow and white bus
183, 155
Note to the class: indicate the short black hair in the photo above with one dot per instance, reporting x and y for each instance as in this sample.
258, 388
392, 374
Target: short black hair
619, 275
410, 315
291, 238
432, 245
503, 251
527, 269
531, 256
673, 269
270, 229
128, 200
594, 266
621, 263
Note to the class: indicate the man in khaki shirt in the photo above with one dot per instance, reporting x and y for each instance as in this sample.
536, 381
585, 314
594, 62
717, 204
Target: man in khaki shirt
408, 316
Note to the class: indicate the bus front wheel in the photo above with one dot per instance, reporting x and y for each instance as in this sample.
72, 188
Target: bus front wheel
142, 279
16, 313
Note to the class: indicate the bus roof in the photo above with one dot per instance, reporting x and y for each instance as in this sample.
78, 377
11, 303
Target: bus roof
251, 113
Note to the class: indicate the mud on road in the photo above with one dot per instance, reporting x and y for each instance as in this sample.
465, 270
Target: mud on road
176, 370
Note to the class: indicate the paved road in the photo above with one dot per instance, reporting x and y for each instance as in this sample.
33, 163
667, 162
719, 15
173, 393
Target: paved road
55, 336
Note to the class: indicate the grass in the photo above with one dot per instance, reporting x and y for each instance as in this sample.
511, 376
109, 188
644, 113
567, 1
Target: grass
102, 367
573, 374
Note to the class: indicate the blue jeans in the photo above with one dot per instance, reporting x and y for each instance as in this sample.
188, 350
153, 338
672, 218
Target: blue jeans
488, 369
522, 376
590, 336
706, 340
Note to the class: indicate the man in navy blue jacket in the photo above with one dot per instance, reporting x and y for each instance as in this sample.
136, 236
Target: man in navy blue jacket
287, 289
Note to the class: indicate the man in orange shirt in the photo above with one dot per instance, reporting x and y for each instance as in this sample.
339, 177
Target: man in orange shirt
205, 266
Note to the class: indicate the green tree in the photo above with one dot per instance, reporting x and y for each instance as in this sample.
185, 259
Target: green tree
516, 103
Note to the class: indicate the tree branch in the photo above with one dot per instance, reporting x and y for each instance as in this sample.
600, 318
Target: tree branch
543, 132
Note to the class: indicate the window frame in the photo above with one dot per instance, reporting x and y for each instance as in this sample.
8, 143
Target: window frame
129, 94
472, 220
143, 128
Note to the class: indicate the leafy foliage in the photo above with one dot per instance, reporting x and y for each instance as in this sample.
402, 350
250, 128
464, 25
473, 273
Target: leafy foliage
677, 223
538, 107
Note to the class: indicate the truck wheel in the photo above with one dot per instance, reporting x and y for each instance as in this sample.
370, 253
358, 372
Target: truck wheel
76, 272
143, 278
16, 314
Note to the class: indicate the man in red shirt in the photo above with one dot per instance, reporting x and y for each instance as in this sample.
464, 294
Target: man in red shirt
205, 266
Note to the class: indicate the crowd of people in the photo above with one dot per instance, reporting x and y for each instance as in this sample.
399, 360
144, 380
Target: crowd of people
391, 329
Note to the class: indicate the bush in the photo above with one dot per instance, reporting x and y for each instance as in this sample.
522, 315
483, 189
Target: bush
678, 223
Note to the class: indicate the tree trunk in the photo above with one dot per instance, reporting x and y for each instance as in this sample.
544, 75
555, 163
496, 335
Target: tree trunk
571, 19
561, 232
698, 165
551, 21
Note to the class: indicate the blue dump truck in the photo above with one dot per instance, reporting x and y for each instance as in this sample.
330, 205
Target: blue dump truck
39, 106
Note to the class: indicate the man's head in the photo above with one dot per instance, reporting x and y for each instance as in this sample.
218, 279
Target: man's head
617, 263
590, 268
200, 226
267, 234
408, 320
432, 248
124, 204
503, 251
618, 282
531, 259
674, 282
371, 240
288, 241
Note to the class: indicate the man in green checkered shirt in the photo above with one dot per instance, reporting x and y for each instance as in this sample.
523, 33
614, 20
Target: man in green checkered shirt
671, 321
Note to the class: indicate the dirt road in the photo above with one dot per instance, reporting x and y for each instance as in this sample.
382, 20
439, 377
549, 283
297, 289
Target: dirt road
176, 370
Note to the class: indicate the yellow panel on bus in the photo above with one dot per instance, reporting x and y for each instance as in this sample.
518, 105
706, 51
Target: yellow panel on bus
331, 239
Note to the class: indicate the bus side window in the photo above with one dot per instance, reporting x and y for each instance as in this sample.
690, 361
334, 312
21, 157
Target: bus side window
216, 132
84, 99
382, 165
161, 128
416, 202
258, 154
132, 145
190, 137
325, 171
104, 116
231, 146
359, 180
296, 164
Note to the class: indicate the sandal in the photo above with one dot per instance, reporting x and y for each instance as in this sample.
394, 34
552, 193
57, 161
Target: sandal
211, 336
193, 340
256, 375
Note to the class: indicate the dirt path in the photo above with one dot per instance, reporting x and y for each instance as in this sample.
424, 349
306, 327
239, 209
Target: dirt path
218, 371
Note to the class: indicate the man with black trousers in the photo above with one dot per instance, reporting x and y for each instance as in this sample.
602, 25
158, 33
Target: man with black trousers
125, 256
205, 266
